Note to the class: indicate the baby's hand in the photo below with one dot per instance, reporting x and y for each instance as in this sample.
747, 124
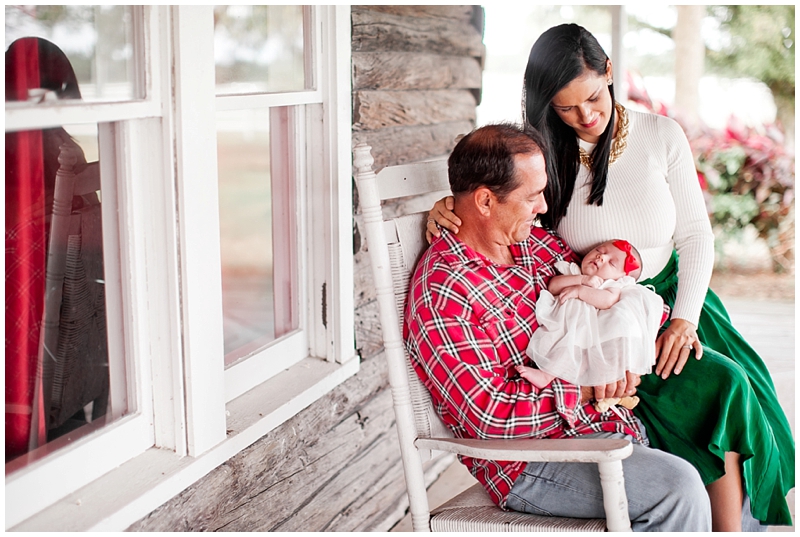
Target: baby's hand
573, 291
592, 281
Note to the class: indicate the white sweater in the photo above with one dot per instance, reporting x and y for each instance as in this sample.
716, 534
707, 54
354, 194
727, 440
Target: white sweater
653, 200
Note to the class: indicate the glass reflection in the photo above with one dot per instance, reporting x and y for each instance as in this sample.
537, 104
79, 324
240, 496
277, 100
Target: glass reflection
259, 49
245, 199
98, 40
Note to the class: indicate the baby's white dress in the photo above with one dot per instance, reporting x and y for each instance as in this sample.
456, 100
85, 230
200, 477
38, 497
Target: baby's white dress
589, 347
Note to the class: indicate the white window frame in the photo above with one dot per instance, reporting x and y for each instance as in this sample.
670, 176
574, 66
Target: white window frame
126, 130
322, 118
187, 421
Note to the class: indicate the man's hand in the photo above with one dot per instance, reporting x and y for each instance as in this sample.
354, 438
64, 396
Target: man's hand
621, 388
674, 345
573, 291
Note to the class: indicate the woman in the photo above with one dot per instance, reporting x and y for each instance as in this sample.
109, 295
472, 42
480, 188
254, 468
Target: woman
620, 173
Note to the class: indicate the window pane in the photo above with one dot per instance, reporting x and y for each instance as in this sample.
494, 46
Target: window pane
97, 40
57, 362
259, 49
257, 219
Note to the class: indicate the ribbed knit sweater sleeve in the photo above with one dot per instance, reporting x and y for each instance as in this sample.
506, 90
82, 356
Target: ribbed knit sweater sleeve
652, 199
693, 237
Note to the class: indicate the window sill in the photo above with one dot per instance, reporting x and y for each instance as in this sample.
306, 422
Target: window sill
136, 488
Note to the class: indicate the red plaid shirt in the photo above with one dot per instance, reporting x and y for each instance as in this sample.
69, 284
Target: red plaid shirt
468, 322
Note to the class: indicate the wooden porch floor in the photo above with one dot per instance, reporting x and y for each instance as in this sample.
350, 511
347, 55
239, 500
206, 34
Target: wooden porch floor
769, 326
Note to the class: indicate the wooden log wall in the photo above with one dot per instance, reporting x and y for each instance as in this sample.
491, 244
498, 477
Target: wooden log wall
417, 73
336, 466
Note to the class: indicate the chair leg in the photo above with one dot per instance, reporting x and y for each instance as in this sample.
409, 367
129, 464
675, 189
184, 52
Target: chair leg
614, 499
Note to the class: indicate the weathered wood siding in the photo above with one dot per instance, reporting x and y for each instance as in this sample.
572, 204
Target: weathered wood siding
336, 466
417, 74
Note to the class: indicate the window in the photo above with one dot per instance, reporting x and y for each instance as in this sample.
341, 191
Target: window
268, 112
98, 40
259, 51
74, 380
58, 373
221, 275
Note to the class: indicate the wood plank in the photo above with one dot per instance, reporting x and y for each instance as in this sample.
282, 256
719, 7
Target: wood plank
380, 109
366, 316
407, 70
322, 453
462, 13
381, 31
409, 144
368, 469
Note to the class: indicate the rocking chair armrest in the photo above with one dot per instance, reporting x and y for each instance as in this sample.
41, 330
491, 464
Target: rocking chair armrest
533, 450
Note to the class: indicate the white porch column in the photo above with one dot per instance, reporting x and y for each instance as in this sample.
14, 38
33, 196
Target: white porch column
619, 26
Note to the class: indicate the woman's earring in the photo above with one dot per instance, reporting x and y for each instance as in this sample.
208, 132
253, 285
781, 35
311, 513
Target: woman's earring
610, 81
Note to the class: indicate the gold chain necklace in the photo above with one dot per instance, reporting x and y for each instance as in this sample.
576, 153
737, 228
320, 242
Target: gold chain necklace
620, 142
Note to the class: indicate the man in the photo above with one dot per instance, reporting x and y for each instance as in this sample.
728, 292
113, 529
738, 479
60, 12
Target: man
470, 315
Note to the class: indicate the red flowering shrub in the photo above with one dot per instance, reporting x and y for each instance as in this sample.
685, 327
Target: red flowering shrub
748, 176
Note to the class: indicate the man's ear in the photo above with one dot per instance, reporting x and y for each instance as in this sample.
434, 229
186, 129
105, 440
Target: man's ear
484, 199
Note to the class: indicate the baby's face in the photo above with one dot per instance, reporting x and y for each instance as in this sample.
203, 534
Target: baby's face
606, 261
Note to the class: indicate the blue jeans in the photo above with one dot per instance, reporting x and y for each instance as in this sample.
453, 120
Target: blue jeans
665, 493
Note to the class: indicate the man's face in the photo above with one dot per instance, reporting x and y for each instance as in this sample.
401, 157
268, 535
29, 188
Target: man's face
514, 216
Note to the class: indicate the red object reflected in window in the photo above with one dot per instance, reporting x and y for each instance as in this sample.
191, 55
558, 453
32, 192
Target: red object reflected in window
35, 70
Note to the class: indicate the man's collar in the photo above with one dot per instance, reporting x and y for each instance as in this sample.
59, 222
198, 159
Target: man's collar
456, 253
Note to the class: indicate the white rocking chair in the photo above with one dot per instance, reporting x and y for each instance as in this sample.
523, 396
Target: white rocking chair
394, 248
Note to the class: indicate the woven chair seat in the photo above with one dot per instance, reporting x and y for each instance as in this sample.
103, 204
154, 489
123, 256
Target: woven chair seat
473, 510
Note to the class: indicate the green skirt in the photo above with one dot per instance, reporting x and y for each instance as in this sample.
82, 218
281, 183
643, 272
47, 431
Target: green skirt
724, 402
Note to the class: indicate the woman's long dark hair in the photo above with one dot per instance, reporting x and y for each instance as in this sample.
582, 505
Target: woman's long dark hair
559, 56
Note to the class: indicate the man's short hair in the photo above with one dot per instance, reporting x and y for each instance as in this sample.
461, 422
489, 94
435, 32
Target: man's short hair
485, 157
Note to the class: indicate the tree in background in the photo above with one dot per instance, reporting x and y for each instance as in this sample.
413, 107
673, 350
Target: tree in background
747, 172
759, 42
690, 50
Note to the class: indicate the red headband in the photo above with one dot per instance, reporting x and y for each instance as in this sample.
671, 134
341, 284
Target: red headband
631, 263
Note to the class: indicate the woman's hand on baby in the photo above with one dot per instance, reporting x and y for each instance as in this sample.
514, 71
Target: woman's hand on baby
591, 281
674, 345
442, 214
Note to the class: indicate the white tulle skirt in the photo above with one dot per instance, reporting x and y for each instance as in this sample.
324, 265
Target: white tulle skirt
585, 346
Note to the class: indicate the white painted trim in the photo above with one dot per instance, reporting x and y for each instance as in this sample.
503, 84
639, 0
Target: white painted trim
286, 147
267, 100
43, 483
263, 365
27, 117
157, 178
336, 75
157, 222
130, 492
112, 272
200, 269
